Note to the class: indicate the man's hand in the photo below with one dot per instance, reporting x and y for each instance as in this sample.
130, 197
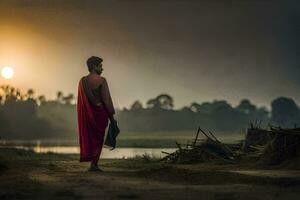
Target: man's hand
113, 121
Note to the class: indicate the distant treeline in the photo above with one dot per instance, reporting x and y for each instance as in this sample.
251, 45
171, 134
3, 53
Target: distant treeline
25, 116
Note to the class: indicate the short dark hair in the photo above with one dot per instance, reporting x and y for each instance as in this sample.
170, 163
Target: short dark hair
93, 61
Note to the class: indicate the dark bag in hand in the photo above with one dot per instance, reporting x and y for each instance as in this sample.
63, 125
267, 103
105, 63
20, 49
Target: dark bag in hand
113, 132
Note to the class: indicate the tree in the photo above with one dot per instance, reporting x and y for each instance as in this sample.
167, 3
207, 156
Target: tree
153, 104
68, 99
205, 107
165, 101
246, 107
285, 112
19, 95
209, 108
195, 107
30, 93
137, 105
59, 96
42, 99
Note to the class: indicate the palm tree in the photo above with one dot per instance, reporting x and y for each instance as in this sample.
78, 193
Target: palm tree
59, 96
18, 94
42, 99
30, 93
68, 99
12, 91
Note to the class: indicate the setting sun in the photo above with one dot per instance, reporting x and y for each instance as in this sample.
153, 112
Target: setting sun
7, 72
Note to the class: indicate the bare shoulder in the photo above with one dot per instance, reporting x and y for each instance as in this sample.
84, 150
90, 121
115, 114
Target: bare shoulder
96, 80
102, 80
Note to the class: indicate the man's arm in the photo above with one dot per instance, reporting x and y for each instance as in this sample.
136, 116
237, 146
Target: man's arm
107, 100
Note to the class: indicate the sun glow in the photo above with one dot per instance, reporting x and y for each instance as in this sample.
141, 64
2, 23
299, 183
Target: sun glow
7, 72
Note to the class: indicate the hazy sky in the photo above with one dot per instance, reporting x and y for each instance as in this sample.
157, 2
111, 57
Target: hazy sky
191, 49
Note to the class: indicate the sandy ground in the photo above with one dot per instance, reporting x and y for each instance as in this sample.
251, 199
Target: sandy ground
63, 177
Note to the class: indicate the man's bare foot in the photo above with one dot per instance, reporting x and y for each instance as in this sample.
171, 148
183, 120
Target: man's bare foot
94, 168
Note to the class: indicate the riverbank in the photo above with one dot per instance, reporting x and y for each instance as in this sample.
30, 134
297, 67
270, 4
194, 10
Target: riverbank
27, 175
128, 140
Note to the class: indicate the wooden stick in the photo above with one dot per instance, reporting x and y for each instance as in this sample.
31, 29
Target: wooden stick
166, 152
197, 136
178, 145
224, 145
205, 134
259, 125
214, 136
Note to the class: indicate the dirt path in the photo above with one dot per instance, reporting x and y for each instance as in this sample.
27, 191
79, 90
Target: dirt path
72, 181
270, 173
65, 178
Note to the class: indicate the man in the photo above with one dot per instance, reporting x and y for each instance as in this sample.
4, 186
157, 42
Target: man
94, 108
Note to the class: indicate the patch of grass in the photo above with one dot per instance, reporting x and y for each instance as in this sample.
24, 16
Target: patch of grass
149, 143
135, 163
15, 154
146, 157
12, 154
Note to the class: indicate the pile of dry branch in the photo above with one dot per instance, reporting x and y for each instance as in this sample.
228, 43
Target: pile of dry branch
201, 150
272, 146
255, 137
283, 145
269, 146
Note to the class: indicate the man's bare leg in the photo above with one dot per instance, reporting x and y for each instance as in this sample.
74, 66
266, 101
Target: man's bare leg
94, 164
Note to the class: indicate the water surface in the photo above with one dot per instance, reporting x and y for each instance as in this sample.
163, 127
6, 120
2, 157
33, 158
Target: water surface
106, 153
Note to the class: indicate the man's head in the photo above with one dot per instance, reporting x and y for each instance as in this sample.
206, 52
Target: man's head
94, 63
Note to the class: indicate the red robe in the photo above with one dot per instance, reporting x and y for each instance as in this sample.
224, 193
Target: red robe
92, 122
